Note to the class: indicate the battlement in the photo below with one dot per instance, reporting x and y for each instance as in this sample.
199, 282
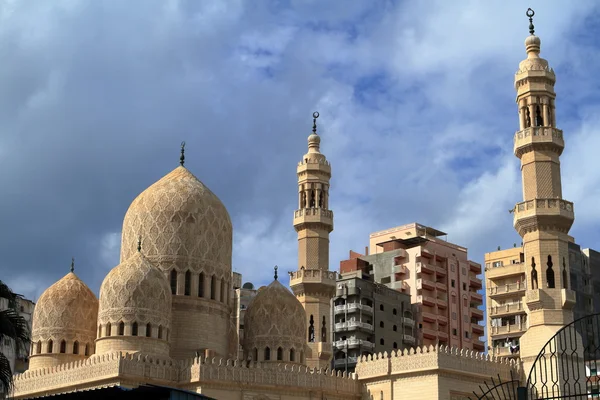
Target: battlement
116, 368
428, 358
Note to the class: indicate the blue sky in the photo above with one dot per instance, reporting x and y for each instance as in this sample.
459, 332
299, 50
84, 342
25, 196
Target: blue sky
417, 118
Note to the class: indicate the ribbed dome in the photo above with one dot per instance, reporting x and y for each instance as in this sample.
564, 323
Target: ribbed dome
135, 290
65, 308
182, 222
275, 318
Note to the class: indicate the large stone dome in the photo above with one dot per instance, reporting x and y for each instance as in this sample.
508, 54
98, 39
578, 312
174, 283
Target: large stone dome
64, 323
182, 222
135, 309
275, 326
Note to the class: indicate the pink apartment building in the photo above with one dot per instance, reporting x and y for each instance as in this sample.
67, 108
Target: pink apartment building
441, 280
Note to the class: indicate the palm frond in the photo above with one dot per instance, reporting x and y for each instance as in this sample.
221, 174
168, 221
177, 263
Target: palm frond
6, 376
14, 326
7, 293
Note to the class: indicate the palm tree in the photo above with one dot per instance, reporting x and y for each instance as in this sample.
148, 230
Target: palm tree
13, 327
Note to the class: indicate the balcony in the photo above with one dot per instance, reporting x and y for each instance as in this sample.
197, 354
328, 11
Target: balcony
477, 329
313, 276
476, 297
441, 286
313, 215
505, 351
341, 362
441, 271
505, 271
478, 345
476, 313
425, 284
425, 253
507, 309
443, 336
351, 325
429, 317
424, 268
429, 333
509, 330
408, 322
351, 343
474, 282
324, 349
512, 289
353, 307
474, 267
426, 300
401, 286
442, 319
401, 269
442, 303
408, 339
542, 211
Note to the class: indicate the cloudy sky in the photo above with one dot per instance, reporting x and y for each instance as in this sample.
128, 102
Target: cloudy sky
417, 118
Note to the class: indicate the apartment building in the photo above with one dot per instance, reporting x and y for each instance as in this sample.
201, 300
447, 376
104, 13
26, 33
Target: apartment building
19, 363
368, 318
506, 284
441, 280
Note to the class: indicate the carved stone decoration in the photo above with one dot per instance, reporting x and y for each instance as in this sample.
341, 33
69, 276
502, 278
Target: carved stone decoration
135, 291
66, 311
275, 318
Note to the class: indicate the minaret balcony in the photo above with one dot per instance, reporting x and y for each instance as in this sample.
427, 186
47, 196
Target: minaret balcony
538, 137
312, 280
313, 216
529, 215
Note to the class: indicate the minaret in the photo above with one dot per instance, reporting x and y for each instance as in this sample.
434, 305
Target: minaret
544, 218
313, 283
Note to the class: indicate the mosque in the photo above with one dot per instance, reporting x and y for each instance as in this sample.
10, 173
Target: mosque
163, 316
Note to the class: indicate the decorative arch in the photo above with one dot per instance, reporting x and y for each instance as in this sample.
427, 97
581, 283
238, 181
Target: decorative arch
108, 327
121, 331
213, 287
173, 281
279, 354
188, 283
550, 282
148, 329
63, 346
76, 347
134, 329
267, 353
201, 285
49, 346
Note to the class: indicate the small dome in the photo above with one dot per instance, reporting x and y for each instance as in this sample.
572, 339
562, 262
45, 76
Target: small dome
65, 312
135, 300
314, 139
275, 319
182, 222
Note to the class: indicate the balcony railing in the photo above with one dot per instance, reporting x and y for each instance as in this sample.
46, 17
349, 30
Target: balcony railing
400, 285
474, 282
342, 344
429, 317
441, 271
477, 328
476, 297
408, 321
505, 351
430, 333
427, 300
475, 267
507, 309
408, 339
339, 326
512, 328
400, 269
340, 362
442, 319
353, 307
425, 284
505, 271
441, 286
507, 289
423, 267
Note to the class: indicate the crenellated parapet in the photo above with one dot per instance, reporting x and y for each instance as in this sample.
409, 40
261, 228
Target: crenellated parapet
429, 359
294, 376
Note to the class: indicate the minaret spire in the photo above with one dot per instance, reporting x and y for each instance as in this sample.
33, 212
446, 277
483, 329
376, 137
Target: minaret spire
182, 157
530, 13
275, 269
72, 264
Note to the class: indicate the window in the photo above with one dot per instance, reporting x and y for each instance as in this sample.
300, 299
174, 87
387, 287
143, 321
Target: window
453, 283
465, 301
121, 328
148, 330
453, 299
108, 327
280, 354
39, 347
213, 288
467, 334
63, 346
76, 347
395, 345
201, 285
187, 283
394, 328
100, 331
255, 354
292, 355
464, 286
454, 331
173, 282
381, 341
452, 267
464, 271
420, 326
381, 324
134, 329
381, 307
49, 346
160, 331
87, 350
394, 311
267, 354
454, 316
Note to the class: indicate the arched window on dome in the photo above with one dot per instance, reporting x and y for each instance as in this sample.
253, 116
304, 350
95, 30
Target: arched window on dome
222, 291
213, 287
134, 329
121, 328
267, 354
188, 283
108, 332
76, 347
201, 285
160, 332
148, 330
279, 354
87, 350
99, 330
39, 347
173, 282
49, 346
63, 347
255, 358
292, 355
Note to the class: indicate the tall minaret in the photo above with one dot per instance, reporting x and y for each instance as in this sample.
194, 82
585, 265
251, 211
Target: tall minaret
313, 283
543, 219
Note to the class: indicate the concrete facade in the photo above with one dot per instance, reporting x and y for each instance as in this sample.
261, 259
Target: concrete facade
19, 362
441, 280
368, 318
